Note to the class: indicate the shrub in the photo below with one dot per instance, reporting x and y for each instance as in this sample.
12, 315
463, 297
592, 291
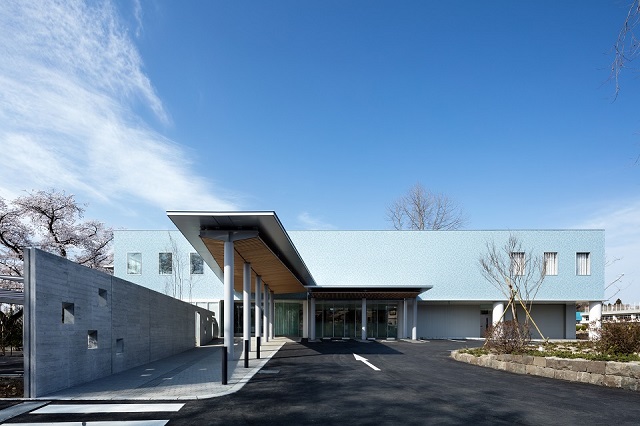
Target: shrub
508, 337
618, 338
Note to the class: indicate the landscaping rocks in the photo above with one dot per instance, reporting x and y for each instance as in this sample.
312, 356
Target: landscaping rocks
625, 375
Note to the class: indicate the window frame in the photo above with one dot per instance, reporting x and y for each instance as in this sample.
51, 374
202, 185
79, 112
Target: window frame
129, 255
191, 268
518, 263
555, 263
161, 263
587, 257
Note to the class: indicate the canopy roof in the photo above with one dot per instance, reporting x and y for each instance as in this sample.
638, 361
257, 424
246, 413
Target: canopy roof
260, 239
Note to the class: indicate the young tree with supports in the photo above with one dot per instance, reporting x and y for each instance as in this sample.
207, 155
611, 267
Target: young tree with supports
518, 275
421, 209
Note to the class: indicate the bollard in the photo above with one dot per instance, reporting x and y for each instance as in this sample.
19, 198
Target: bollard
258, 347
246, 354
224, 365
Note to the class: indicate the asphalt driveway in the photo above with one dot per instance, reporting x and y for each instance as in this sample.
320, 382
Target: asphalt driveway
417, 384
403, 383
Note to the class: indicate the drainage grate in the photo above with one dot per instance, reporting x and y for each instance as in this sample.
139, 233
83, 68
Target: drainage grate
268, 371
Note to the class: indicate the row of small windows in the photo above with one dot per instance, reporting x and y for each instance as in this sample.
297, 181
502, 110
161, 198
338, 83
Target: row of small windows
166, 264
583, 263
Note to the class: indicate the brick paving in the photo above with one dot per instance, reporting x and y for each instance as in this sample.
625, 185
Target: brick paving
193, 374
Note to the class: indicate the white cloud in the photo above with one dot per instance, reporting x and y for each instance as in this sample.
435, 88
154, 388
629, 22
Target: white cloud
622, 240
306, 221
70, 77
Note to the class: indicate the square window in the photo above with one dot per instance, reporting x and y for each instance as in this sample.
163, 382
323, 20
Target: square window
551, 263
517, 263
197, 264
583, 263
92, 339
165, 263
134, 263
67, 313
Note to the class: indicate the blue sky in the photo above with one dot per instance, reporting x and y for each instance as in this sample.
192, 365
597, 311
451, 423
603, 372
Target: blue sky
326, 112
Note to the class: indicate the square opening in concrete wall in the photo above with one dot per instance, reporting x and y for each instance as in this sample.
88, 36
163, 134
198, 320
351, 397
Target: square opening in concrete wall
67, 313
102, 297
92, 339
119, 346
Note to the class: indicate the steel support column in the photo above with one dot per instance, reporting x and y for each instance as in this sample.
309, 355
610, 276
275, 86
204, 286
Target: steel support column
414, 326
228, 298
246, 305
265, 313
363, 334
258, 314
272, 313
312, 318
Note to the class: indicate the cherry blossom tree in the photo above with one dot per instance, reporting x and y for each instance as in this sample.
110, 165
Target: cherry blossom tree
51, 221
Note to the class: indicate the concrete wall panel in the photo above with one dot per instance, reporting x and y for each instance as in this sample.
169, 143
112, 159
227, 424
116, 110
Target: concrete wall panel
84, 324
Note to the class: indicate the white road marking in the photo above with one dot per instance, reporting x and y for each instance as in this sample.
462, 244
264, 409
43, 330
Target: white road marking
365, 361
105, 408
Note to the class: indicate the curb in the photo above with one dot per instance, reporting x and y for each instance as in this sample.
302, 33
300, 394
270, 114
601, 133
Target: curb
623, 375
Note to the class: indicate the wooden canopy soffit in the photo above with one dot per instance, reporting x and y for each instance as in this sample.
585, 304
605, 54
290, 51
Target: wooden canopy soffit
263, 261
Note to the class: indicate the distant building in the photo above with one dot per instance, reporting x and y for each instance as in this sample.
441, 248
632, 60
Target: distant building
359, 284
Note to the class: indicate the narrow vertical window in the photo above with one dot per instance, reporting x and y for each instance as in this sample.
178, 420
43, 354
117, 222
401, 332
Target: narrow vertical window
134, 263
197, 264
551, 263
583, 264
517, 263
92, 339
165, 263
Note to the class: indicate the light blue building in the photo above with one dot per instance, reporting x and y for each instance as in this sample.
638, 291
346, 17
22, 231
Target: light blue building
358, 284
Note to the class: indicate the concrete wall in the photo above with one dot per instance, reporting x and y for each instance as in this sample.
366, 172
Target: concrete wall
436, 321
448, 321
81, 324
555, 321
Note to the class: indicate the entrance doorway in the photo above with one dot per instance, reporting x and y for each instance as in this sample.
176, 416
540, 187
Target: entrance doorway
485, 321
341, 319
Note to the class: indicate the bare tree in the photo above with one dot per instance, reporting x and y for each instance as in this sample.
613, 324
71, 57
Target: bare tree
421, 209
517, 274
627, 45
51, 221
183, 279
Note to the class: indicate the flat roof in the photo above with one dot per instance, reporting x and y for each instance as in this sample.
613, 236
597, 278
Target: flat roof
267, 247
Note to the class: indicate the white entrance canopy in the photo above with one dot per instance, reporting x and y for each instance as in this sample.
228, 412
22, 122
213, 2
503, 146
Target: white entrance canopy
264, 244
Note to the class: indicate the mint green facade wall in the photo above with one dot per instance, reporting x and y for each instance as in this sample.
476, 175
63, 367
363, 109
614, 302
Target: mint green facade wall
447, 260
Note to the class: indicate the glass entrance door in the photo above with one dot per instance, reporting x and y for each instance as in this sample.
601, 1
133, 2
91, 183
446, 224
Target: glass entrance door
344, 319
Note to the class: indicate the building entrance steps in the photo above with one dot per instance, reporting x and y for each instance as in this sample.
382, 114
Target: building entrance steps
192, 374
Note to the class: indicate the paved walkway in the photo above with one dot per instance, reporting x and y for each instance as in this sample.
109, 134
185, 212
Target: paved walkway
193, 374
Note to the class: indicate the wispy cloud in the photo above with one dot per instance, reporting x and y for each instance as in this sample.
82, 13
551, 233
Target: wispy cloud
306, 221
70, 82
622, 233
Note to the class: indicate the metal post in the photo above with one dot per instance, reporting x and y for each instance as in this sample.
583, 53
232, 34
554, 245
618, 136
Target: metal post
246, 304
228, 297
258, 314
224, 365
272, 313
246, 354
265, 313
364, 319
414, 328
